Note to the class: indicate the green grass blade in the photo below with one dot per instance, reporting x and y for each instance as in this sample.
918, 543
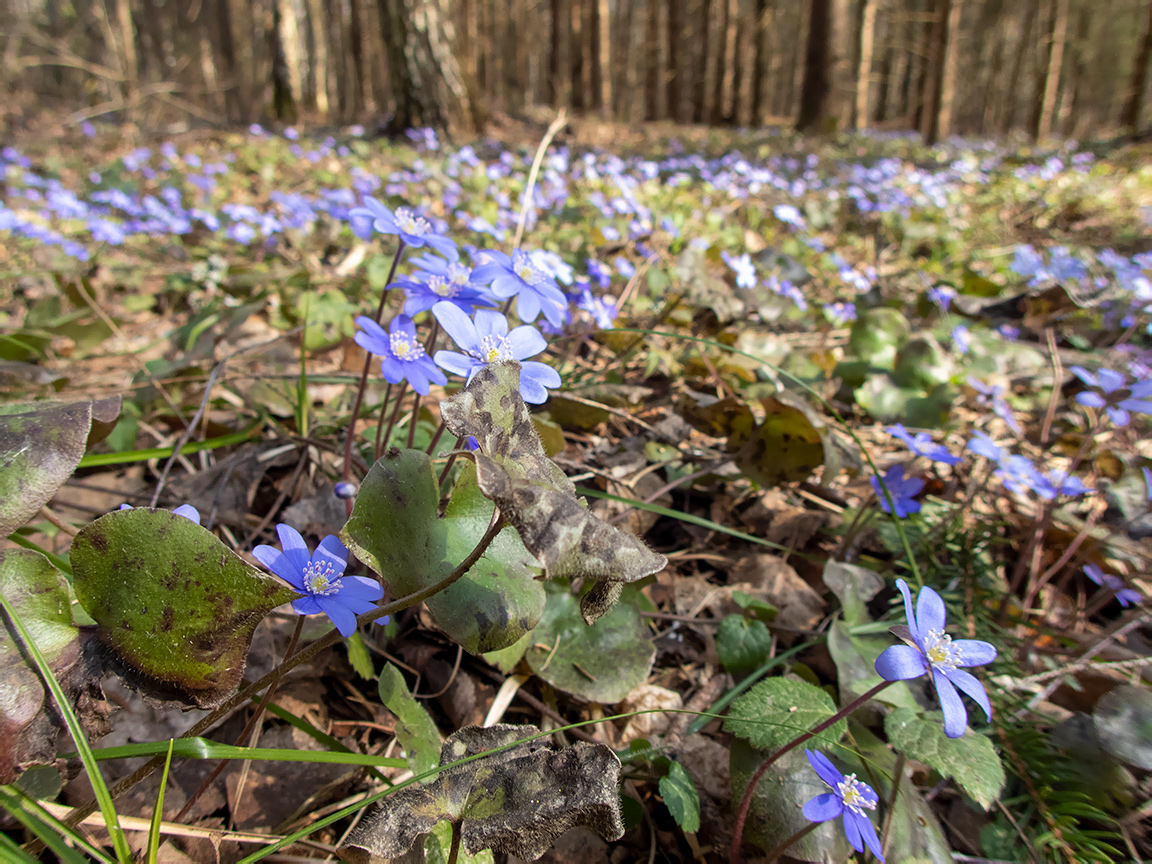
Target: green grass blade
14, 853
61, 564
49, 829
93, 460
99, 787
310, 730
202, 748
158, 810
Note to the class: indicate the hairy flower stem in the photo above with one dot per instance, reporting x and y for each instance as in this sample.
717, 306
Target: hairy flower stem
359, 400
436, 436
382, 440
429, 349
454, 852
795, 838
897, 776
291, 662
746, 801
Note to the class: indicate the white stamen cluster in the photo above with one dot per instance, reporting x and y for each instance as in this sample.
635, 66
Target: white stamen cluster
849, 790
441, 287
405, 348
321, 579
494, 348
528, 272
940, 651
458, 274
409, 223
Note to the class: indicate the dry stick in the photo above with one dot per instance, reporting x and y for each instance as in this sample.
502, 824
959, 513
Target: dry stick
746, 802
530, 186
1057, 378
382, 441
1073, 547
359, 400
897, 776
245, 732
290, 663
191, 427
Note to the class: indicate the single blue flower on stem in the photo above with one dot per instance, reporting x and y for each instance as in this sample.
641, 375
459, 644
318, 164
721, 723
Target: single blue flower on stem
320, 576
849, 798
1111, 391
517, 275
413, 229
1124, 596
922, 445
402, 357
931, 651
901, 489
485, 339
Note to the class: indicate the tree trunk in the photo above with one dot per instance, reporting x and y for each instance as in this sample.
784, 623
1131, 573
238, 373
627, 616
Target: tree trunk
427, 82
604, 61
700, 77
283, 100
652, 46
675, 66
818, 108
578, 45
864, 78
951, 50
1012, 85
760, 61
361, 75
1055, 67
320, 55
934, 73
558, 80
1138, 78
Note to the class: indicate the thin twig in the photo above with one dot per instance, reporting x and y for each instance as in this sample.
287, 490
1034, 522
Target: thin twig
529, 187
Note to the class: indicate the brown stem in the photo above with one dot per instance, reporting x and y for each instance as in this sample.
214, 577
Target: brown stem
746, 801
382, 441
454, 852
359, 400
795, 838
897, 776
291, 662
436, 437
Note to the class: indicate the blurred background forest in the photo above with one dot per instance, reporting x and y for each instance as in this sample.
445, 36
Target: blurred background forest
1040, 68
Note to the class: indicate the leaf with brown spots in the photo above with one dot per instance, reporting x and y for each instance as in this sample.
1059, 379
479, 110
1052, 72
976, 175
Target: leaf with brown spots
517, 800
175, 607
536, 496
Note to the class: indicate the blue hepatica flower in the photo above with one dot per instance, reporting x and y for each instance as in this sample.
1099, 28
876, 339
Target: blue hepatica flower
849, 798
993, 394
186, 510
743, 267
901, 489
1124, 596
840, 313
1111, 391
402, 357
932, 652
922, 445
437, 279
413, 229
485, 339
518, 276
320, 576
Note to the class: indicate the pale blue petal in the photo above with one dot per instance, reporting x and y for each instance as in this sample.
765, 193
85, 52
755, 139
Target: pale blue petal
306, 606
970, 685
867, 833
973, 652
852, 830
955, 715
930, 612
526, 341
332, 551
901, 663
902, 587
528, 305
456, 324
295, 549
340, 614
188, 512
457, 364
361, 588
489, 322
275, 560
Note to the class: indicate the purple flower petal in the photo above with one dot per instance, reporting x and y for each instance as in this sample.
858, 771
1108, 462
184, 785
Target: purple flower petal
955, 715
823, 807
1110, 381
360, 588
969, 684
526, 341
852, 830
868, 833
295, 549
973, 652
1092, 400
457, 364
909, 615
823, 766
306, 606
340, 614
332, 551
930, 612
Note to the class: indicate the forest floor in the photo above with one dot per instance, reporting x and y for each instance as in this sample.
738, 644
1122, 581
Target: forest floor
757, 327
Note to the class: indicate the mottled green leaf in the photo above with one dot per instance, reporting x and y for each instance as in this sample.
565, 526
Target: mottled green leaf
40, 445
742, 643
395, 530
176, 608
40, 596
853, 586
881, 397
922, 363
517, 800
776, 710
537, 498
679, 794
970, 760
602, 662
855, 659
415, 730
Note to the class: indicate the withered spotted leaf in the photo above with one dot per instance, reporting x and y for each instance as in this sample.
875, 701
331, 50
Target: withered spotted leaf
518, 800
535, 495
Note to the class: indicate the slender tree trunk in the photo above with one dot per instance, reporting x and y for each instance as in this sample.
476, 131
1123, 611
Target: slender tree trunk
1138, 77
576, 54
652, 46
893, 44
816, 95
930, 97
128, 58
1012, 86
760, 61
283, 98
700, 76
864, 78
673, 78
628, 79
604, 61
720, 69
1055, 67
320, 55
558, 63
951, 50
